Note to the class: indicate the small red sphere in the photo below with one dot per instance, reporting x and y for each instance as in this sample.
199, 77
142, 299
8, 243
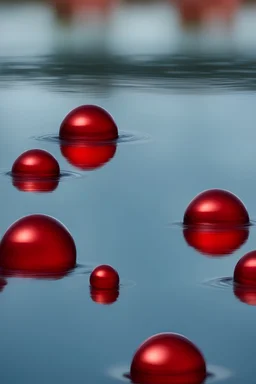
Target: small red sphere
104, 296
245, 270
216, 207
88, 157
35, 163
168, 358
35, 185
88, 122
37, 244
104, 277
215, 243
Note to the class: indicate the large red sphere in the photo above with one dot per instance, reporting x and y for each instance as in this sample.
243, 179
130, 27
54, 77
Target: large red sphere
88, 122
35, 163
215, 243
104, 277
245, 270
104, 296
46, 185
168, 358
37, 244
216, 207
88, 157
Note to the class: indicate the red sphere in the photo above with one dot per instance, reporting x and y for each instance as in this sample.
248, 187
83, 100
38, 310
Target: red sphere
88, 122
104, 296
216, 207
214, 242
37, 244
35, 163
35, 185
168, 358
88, 157
104, 277
245, 270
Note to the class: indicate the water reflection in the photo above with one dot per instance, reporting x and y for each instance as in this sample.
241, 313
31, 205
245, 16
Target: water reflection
88, 157
216, 243
36, 186
104, 296
246, 295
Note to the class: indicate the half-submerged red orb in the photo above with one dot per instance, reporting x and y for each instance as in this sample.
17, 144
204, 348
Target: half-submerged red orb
88, 157
216, 207
35, 163
104, 296
88, 123
245, 270
168, 358
104, 277
215, 243
37, 244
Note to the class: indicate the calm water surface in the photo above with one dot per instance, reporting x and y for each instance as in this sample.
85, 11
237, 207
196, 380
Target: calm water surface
198, 109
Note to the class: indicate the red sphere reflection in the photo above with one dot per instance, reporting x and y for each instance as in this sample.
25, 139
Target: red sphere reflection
35, 163
246, 295
216, 207
35, 185
90, 123
88, 157
168, 358
245, 270
104, 296
214, 242
104, 277
37, 244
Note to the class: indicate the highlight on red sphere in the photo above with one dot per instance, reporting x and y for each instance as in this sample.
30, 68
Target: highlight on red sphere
104, 296
104, 277
36, 186
245, 270
215, 243
168, 358
88, 123
216, 207
36, 163
37, 244
88, 157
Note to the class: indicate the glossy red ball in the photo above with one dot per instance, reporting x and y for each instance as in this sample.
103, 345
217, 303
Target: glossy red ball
88, 157
168, 358
216, 207
104, 296
35, 185
37, 244
90, 123
104, 277
216, 243
245, 270
35, 163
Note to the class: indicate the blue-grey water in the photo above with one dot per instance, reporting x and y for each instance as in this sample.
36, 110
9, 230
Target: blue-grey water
192, 96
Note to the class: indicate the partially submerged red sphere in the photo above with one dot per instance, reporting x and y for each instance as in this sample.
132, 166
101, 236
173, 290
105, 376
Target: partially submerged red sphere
215, 243
89, 123
104, 277
245, 270
88, 157
104, 296
168, 358
37, 244
216, 207
35, 163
